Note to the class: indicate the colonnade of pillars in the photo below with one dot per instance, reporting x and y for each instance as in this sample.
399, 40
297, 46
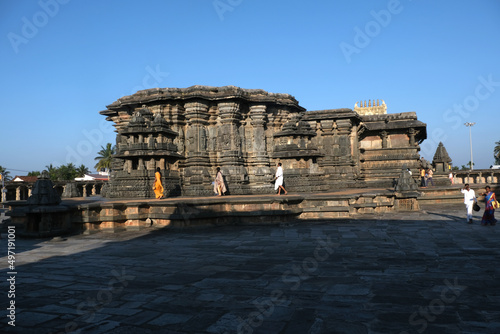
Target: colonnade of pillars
20, 192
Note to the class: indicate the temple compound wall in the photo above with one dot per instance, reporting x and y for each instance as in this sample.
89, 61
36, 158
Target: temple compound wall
189, 132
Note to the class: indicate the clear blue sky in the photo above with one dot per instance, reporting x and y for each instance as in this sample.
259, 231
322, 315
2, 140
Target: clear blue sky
63, 61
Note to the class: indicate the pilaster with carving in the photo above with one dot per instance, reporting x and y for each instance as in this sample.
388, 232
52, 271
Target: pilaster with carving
229, 136
196, 133
197, 180
258, 121
384, 135
230, 146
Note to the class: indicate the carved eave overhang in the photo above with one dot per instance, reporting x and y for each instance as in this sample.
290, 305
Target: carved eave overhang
342, 113
296, 129
400, 121
294, 133
129, 153
143, 129
292, 151
199, 92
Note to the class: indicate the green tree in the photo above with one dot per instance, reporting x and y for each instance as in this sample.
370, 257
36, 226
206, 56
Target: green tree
467, 167
5, 174
81, 171
34, 173
496, 153
105, 155
66, 172
52, 172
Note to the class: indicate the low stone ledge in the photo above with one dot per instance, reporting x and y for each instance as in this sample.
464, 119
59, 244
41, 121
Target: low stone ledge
113, 216
327, 209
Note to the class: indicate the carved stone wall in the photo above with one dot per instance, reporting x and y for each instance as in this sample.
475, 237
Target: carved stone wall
190, 132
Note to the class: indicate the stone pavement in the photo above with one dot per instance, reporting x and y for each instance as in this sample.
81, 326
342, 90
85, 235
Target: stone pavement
406, 272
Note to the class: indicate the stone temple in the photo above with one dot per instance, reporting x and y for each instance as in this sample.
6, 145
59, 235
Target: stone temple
189, 132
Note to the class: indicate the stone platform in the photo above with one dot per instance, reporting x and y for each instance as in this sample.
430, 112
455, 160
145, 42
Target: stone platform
424, 271
96, 214
180, 212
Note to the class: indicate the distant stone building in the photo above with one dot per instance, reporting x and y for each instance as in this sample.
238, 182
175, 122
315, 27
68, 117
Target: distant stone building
441, 161
189, 132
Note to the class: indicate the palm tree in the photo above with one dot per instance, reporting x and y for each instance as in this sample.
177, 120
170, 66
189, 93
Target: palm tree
5, 174
82, 170
105, 156
52, 172
496, 153
66, 172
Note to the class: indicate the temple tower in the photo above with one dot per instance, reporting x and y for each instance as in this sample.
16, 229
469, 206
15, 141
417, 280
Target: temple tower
441, 161
370, 108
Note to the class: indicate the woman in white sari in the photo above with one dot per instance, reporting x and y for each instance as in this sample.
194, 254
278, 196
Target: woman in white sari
219, 186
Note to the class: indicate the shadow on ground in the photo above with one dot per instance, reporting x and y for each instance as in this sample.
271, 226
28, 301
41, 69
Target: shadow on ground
412, 272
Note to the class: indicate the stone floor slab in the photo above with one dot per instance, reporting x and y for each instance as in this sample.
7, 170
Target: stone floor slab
379, 273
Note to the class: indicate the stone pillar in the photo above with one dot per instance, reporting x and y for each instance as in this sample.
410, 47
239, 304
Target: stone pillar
197, 176
229, 138
260, 172
18, 193
84, 191
411, 134
384, 135
344, 127
93, 190
213, 137
196, 135
355, 152
229, 144
258, 120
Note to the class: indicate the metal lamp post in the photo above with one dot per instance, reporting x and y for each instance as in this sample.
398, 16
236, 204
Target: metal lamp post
470, 125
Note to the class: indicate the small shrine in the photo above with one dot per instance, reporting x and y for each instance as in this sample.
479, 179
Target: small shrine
42, 215
441, 161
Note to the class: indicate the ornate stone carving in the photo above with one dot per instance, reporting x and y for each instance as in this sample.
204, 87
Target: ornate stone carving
191, 131
371, 108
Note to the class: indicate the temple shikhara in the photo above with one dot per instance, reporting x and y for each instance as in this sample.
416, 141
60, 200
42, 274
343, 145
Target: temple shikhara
189, 132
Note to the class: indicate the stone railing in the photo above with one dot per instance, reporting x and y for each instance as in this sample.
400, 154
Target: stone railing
477, 176
20, 191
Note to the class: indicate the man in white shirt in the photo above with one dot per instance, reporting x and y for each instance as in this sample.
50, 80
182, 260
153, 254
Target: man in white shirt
469, 199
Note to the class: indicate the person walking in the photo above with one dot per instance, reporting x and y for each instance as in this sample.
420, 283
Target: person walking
489, 209
278, 184
450, 176
469, 200
157, 186
219, 185
429, 177
422, 178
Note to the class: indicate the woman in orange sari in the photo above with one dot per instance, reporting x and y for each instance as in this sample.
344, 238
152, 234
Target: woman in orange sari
157, 186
